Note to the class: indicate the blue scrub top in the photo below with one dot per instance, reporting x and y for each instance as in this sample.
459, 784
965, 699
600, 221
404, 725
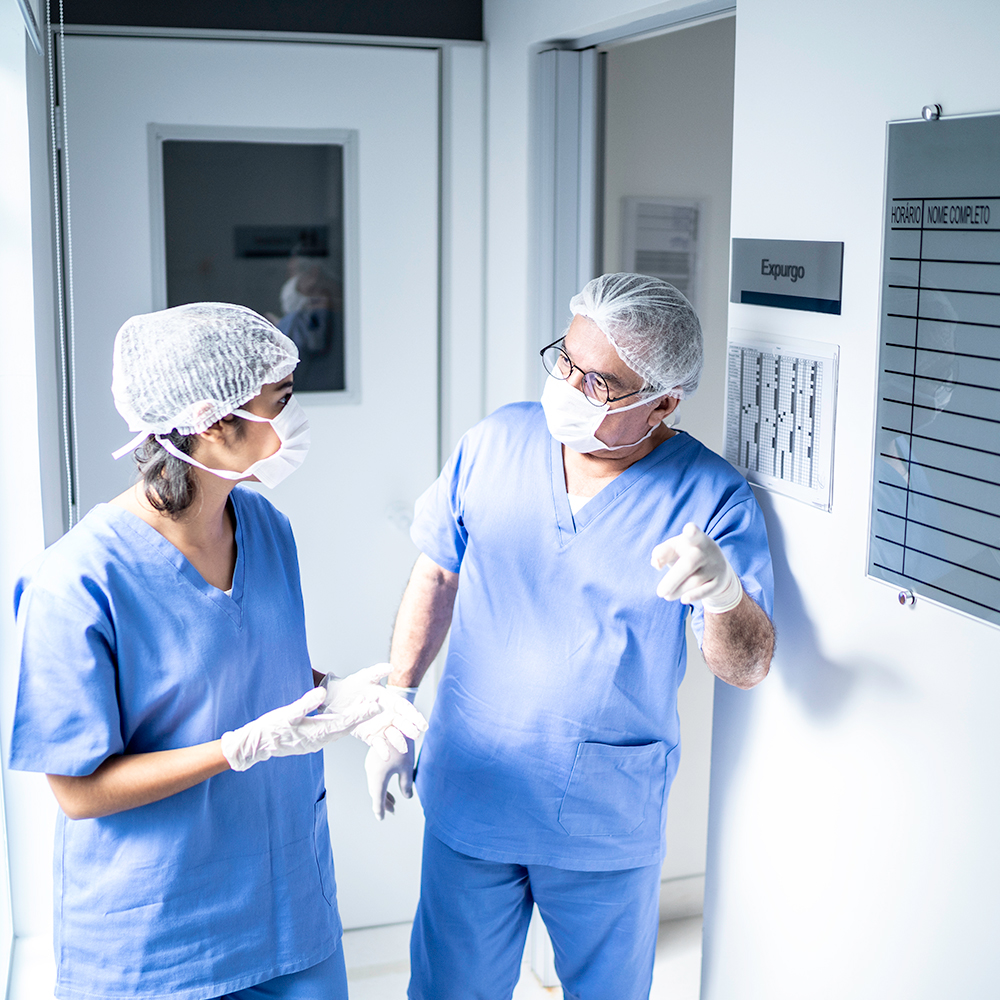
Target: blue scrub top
555, 735
126, 649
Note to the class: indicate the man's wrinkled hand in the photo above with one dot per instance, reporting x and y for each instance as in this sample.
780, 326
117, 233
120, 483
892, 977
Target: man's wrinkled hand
699, 571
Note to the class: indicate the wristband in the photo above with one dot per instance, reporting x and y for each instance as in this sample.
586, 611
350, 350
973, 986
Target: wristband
408, 693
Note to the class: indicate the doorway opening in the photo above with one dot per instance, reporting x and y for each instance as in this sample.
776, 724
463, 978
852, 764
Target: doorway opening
638, 130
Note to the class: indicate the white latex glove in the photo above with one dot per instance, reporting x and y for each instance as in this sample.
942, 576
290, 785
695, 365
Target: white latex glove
389, 730
397, 760
283, 732
698, 572
359, 697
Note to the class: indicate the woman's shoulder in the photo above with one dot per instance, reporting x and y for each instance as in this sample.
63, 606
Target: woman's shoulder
257, 515
251, 503
77, 566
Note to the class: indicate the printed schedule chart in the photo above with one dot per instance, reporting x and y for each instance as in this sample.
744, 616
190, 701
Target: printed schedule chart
935, 516
774, 414
780, 401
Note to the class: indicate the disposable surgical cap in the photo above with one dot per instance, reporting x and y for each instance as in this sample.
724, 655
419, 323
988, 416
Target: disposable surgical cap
650, 324
187, 367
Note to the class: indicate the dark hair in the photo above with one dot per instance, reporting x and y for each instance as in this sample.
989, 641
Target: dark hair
169, 483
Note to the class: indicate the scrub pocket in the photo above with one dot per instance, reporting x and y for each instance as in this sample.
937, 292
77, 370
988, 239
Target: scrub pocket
324, 855
614, 790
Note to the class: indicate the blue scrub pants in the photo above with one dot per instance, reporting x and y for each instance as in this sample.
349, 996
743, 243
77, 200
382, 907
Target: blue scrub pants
472, 921
325, 981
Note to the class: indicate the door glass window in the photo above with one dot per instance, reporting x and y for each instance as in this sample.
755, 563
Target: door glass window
262, 224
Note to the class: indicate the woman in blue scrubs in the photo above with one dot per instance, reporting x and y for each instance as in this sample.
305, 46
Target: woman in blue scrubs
163, 655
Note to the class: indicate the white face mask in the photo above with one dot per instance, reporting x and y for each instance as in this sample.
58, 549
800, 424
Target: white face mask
292, 428
573, 420
291, 298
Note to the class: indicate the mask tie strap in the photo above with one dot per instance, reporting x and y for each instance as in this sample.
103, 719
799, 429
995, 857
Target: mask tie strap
172, 449
131, 446
622, 447
247, 415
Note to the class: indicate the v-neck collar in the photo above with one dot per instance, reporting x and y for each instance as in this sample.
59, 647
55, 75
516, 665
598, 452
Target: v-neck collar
230, 605
569, 526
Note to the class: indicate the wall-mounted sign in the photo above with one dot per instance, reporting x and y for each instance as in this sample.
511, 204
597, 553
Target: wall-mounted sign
788, 274
935, 505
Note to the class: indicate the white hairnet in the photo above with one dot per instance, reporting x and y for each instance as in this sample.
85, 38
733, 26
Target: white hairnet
654, 329
187, 367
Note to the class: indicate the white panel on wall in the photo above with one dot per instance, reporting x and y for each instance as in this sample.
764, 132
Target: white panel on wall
660, 238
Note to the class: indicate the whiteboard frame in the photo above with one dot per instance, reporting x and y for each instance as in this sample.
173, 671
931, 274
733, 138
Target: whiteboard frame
876, 374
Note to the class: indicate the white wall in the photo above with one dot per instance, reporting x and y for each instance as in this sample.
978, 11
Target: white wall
669, 130
854, 796
26, 800
855, 816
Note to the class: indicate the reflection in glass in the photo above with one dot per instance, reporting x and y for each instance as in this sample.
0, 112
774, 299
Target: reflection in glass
262, 224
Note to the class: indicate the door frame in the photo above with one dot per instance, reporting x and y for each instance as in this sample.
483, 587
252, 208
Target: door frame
461, 244
567, 156
566, 195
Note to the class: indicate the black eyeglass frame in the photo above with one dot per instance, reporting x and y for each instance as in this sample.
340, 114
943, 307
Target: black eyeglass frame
598, 375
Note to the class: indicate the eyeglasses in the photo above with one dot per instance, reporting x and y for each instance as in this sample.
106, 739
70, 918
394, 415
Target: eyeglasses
558, 364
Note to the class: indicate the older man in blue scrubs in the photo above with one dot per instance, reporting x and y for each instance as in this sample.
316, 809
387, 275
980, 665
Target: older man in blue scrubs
555, 738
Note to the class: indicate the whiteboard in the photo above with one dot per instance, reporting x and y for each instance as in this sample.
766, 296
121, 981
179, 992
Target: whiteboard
781, 399
935, 499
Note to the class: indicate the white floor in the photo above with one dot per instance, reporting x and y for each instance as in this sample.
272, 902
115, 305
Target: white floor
378, 967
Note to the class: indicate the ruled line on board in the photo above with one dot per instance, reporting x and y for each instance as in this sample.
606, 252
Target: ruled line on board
945, 260
937, 468
934, 409
944, 229
941, 441
939, 350
932, 555
956, 291
957, 197
934, 527
931, 378
941, 319
930, 496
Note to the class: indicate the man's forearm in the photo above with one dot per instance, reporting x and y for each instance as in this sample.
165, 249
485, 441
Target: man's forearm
422, 622
738, 644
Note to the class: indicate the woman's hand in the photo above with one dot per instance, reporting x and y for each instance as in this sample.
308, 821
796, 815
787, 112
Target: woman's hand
282, 732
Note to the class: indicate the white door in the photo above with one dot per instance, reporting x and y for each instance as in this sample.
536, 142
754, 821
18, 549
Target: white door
375, 443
